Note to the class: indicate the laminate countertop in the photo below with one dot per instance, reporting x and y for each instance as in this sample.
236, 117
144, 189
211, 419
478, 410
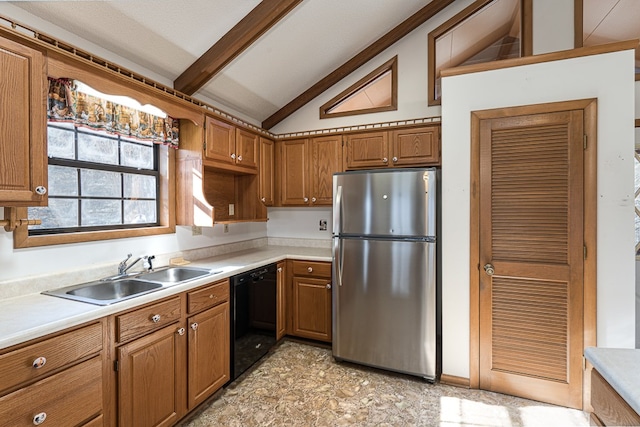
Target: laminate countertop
27, 317
621, 368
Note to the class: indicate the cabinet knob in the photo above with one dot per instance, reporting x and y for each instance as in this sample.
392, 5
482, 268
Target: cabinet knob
313, 200
39, 362
41, 190
310, 270
385, 160
155, 318
395, 160
279, 269
194, 326
233, 156
306, 200
263, 200
180, 331
39, 418
239, 158
328, 285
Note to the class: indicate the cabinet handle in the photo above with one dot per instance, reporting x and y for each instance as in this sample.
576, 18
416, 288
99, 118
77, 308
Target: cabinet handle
263, 200
39, 362
212, 296
279, 269
395, 160
328, 286
39, 418
233, 156
306, 200
239, 158
313, 200
155, 318
181, 331
310, 270
41, 190
194, 326
385, 160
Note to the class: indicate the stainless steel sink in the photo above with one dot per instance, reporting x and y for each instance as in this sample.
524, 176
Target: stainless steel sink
175, 275
106, 292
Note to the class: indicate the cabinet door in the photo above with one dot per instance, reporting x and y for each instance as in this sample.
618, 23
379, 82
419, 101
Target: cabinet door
150, 372
220, 141
209, 353
23, 150
326, 159
367, 150
281, 304
294, 190
312, 308
246, 149
266, 190
415, 147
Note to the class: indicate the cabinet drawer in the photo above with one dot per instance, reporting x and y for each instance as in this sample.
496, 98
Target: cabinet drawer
18, 366
147, 319
208, 296
312, 268
67, 398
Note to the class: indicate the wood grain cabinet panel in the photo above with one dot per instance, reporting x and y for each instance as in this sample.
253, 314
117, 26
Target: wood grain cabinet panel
294, 190
208, 296
144, 320
367, 150
609, 408
246, 149
266, 171
23, 151
311, 300
281, 302
230, 148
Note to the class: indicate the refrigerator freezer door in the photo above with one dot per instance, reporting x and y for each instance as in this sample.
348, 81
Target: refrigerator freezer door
385, 203
384, 304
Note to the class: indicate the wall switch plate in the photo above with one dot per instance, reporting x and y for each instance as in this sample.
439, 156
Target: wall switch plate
232, 209
225, 229
196, 230
323, 225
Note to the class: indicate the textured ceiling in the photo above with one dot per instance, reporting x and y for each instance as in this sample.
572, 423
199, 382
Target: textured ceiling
167, 36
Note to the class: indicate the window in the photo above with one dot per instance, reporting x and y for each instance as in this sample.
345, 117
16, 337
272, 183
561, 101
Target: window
376, 92
487, 30
97, 181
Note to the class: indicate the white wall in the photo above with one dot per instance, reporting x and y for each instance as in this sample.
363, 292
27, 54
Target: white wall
299, 223
610, 79
552, 25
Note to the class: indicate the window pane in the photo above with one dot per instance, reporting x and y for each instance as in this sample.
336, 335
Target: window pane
139, 211
59, 214
61, 143
137, 155
94, 148
100, 183
101, 212
63, 181
139, 186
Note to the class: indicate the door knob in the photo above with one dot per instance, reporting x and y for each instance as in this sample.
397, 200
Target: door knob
488, 268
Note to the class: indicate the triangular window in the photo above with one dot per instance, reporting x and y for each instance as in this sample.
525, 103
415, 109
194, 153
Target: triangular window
377, 91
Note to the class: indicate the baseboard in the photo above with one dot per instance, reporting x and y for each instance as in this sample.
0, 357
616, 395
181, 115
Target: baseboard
454, 381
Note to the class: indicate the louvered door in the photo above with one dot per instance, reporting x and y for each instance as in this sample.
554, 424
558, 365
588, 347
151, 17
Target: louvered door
531, 256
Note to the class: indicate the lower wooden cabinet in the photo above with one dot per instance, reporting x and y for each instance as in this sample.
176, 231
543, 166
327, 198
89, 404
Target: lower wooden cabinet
311, 300
281, 300
609, 408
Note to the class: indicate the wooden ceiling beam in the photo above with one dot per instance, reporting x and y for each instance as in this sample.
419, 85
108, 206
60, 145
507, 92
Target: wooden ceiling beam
404, 28
264, 16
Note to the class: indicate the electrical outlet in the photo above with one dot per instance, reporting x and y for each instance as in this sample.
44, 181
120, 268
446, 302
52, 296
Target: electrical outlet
323, 225
226, 228
232, 209
196, 230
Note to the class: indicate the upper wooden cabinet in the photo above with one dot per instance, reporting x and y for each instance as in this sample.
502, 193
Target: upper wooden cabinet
23, 148
230, 148
307, 168
266, 190
419, 146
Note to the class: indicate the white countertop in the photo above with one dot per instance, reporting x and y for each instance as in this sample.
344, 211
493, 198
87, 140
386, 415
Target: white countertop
32, 316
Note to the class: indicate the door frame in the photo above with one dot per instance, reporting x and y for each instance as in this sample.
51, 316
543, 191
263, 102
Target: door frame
589, 106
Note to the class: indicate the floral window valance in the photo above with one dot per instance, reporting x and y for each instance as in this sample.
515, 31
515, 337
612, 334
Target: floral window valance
67, 104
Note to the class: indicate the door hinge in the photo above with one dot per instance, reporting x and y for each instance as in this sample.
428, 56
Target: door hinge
204, 146
115, 365
584, 141
584, 251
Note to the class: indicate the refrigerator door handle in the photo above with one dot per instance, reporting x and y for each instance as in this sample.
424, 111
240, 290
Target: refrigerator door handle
338, 255
337, 212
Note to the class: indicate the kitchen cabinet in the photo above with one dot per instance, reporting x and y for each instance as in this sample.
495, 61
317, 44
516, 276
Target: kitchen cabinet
311, 300
307, 168
229, 147
23, 152
209, 341
401, 147
609, 408
57, 379
266, 170
281, 300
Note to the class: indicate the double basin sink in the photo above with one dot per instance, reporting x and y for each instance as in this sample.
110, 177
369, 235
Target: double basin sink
109, 291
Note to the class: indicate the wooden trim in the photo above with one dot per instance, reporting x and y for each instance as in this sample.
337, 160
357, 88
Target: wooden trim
390, 65
589, 226
454, 381
545, 57
637, 76
357, 61
526, 27
637, 123
578, 23
264, 16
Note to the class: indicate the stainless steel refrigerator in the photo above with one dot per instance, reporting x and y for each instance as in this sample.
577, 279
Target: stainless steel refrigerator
384, 269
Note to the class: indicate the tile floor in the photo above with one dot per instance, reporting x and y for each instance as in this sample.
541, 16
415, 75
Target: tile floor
301, 385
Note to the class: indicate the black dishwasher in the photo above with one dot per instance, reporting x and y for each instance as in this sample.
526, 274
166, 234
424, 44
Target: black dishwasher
253, 325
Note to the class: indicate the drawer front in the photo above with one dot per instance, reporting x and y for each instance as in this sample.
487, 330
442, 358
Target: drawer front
39, 359
68, 398
312, 268
96, 422
147, 319
208, 296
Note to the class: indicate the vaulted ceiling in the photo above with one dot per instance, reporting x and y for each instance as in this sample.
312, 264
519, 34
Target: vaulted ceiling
262, 55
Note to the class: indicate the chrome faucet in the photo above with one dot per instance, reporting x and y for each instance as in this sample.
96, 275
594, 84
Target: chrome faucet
146, 264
